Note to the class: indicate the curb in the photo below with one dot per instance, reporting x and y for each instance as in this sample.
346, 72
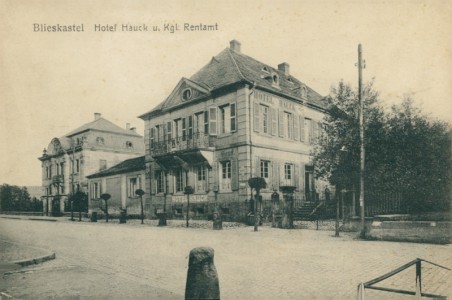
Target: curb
34, 261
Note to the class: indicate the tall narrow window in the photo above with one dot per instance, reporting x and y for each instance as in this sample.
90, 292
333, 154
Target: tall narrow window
133, 184
206, 122
184, 129
233, 117
190, 127
225, 176
152, 136
265, 119
288, 120
201, 183
288, 174
169, 131
225, 116
213, 121
179, 178
308, 130
265, 169
160, 181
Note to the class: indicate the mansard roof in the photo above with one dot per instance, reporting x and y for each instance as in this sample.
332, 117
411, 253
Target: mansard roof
127, 166
102, 124
230, 67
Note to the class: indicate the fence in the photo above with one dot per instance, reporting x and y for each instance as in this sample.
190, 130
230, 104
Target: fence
384, 203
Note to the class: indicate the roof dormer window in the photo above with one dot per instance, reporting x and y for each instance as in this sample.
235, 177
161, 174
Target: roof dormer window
265, 69
187, 94
275, 79
304, 92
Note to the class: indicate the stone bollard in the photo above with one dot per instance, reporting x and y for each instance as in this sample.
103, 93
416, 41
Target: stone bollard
202, 277
217, 222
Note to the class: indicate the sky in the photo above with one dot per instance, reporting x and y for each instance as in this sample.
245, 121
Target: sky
54, 82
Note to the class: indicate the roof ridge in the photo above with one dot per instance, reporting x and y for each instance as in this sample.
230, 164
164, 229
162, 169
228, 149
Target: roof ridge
235, 64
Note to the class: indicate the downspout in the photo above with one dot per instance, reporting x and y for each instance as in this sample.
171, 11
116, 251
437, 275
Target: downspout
250, 133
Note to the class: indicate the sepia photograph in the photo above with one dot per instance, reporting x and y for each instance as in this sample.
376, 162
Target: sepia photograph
225, 149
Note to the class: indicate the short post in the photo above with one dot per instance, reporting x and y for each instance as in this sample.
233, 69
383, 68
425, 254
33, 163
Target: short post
188, 191
217, 222
140, 193
202, 276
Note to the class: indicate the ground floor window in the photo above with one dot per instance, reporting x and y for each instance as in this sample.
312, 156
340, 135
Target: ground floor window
225, 176
179, 180
201, 179
96, 190
159, 180
133, 184
288, 174
265, 167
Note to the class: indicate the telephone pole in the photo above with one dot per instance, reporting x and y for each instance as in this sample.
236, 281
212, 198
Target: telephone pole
361, 140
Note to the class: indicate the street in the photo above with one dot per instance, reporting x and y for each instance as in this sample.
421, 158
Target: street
111, 260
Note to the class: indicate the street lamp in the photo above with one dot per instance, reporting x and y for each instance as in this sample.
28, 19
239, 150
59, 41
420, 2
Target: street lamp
140, 193
106, 197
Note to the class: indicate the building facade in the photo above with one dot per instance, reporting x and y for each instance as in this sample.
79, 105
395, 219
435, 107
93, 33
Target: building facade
234, 119
121, 182
93, 147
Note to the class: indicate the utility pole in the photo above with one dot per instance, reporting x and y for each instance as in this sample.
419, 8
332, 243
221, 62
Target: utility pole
361, 138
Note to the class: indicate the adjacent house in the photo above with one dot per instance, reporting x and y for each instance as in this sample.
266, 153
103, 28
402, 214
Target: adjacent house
234, 119
93, 147
121, 182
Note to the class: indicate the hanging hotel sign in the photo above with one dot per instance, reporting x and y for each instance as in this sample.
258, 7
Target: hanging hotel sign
193, 198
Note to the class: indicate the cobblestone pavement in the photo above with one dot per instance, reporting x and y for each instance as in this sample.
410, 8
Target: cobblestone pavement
143, 261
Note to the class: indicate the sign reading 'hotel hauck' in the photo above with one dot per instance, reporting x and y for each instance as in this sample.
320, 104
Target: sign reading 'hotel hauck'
193, 198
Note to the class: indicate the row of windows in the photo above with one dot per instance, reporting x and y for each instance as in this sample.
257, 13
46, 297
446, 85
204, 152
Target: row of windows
133, 184
269, 120
60, 168
215, 120
180, 179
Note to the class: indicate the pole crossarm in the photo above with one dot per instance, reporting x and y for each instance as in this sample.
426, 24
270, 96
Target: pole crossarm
369, 284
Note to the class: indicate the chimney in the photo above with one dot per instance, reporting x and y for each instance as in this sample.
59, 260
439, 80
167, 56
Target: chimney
284, 67
127, 126
96, 116
235, 45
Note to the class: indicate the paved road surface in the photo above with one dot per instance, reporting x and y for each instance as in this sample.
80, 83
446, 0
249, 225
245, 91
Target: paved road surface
131, 261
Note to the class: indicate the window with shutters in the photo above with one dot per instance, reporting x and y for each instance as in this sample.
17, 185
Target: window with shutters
152, 137
227, 121
160, 181
265, 115
225, 175
206, 122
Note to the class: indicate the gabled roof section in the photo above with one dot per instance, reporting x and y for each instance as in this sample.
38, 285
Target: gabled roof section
102, 124
231, 66
183, 88
127, 166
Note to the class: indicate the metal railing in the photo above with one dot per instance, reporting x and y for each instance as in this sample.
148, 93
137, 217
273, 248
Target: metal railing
194, 141
370, 284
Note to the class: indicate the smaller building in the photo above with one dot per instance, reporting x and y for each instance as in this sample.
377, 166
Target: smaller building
120, 181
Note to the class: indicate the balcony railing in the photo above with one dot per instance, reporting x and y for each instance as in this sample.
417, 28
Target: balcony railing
195, 141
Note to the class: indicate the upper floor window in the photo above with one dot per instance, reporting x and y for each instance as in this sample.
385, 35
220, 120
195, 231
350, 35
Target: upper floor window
100, 140
129, 145
102, 164
265, 119
288, 120
227, 114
